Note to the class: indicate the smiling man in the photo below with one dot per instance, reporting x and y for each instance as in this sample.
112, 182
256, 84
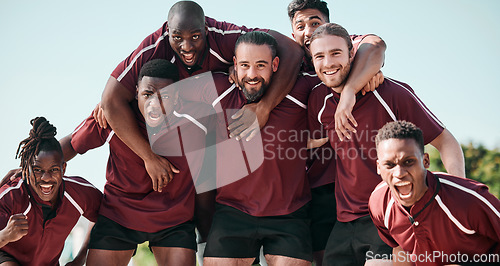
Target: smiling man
332, 55
39, 209
424, 212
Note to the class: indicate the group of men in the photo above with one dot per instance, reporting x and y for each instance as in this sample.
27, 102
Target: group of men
273, 109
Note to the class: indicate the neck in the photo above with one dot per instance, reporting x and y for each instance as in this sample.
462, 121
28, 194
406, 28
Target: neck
338, 89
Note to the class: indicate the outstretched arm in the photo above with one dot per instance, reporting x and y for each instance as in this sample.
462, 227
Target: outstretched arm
365, 73
451, 153
115, 103
290, 55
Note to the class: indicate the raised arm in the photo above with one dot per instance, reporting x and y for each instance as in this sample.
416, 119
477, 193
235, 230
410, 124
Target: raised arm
451, 153
115, 103
290, 55
365, 69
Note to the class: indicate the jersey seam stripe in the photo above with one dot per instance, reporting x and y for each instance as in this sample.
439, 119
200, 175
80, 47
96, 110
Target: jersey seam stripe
379, 187
291, 98
78, 208
79, 127
27, 209
384, 104
223, 32
388, 213
420, 102
111, 134
11, 188
219, 57
472, 192
127, 69
190, 118
317, 85
79, 183
308, 74
218, 99
452, 218
173, 59
324, 106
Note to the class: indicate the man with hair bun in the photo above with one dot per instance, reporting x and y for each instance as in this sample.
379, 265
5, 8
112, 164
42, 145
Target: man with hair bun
39, 209
418, 212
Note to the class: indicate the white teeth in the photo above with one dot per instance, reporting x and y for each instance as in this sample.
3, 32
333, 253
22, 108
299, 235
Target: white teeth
331, 72
46, 186
402, 183
252, 82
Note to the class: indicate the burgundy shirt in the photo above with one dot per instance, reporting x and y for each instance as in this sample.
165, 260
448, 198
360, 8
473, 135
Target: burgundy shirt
221, 39
44, 242
129, 198
265, 176
321, 167
356, 159
463, 218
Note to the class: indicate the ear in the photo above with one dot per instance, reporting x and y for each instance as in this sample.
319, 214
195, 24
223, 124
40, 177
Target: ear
426, 160
275, 63
206, 29
351, 55
378, 167
293, 35
166, 28
64, 168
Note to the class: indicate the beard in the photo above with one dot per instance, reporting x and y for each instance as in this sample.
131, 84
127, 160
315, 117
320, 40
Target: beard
342, 78
252, 97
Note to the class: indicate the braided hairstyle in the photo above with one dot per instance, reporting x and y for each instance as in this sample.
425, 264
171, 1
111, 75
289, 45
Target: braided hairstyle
41, 138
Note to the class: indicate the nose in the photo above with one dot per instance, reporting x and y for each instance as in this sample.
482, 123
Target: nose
399, 172
186, 45
153, 101
329, 61
46, 176
309, 31
252, 73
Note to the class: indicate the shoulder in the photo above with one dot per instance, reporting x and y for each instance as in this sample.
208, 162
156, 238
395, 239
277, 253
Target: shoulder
79, 185
467, 191
379, 198
12, 187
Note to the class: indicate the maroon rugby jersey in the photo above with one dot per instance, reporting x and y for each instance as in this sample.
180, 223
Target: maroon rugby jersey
321, 167
221, 39
356, 159
44, 242
463, 218
271, 165
129, 198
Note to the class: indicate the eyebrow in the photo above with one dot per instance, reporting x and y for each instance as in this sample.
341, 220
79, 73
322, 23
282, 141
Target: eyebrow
308, 18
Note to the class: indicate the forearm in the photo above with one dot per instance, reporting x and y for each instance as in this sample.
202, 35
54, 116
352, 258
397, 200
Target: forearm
3, 238
451, 153
120, 116
367, 62
290, 55
68, 151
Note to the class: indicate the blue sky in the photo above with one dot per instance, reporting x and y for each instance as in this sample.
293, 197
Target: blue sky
57, 56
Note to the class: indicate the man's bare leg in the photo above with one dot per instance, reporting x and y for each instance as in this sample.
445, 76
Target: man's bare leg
174, 256
109, 257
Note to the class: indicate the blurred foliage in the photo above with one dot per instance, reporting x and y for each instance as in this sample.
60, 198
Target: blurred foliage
481, 164
144, 256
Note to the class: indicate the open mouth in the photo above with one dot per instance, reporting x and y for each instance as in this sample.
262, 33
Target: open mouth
331, 72
404, 188
46, 189
189, 58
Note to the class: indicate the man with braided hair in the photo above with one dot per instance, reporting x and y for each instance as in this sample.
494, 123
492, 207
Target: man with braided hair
39, 209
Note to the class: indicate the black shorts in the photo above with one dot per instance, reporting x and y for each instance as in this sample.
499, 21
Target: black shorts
323, 214
235, 234
109, 235
4, 257
354, 242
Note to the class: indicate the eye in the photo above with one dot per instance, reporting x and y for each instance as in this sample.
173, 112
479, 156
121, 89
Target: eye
318, 57
55, 170
196, 37
409, 162
36, 170
244, 65
300, 27
176, 38
389, 165
315, 24
165, 97
261, 66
